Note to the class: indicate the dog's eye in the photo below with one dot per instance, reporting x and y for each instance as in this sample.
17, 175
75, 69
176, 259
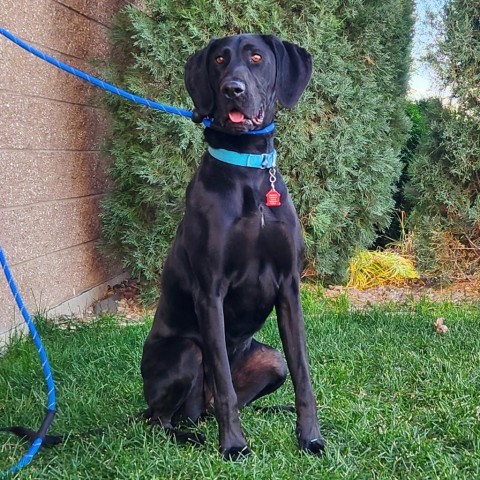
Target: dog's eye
256, 58
220, 60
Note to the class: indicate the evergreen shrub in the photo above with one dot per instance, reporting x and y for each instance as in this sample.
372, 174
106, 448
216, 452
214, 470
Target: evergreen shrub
444, 185
338, 149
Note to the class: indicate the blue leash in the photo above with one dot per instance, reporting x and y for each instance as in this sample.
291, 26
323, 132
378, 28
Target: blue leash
50, 413
115, 90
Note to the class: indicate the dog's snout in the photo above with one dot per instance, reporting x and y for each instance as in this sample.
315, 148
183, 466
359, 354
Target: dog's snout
233, 89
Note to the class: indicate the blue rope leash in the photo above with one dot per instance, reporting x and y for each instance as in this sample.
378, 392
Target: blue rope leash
113, 89
37, 443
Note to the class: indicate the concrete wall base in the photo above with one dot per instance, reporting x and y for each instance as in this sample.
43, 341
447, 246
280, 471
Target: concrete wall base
75, 307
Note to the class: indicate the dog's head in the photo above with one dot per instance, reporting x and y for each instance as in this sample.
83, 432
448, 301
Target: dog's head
237, 80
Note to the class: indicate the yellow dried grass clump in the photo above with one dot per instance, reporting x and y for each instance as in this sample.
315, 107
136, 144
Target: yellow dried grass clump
375, 268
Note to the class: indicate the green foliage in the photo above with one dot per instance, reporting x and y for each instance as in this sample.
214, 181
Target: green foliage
444, 181
456, 58
418, 128
338, 149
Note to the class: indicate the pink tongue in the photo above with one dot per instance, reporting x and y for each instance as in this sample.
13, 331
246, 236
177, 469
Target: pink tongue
236, 117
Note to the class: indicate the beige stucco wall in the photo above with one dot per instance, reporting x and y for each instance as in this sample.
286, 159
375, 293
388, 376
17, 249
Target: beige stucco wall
52, 171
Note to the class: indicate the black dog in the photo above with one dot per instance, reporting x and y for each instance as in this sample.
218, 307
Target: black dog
236, 254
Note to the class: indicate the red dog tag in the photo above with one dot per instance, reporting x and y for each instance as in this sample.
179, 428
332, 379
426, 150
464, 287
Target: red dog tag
273, 198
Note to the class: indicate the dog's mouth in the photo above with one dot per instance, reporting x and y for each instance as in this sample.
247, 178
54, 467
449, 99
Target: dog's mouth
236, 119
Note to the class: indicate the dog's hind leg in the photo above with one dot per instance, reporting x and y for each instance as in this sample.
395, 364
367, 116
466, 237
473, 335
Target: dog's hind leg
258, 372
172, 382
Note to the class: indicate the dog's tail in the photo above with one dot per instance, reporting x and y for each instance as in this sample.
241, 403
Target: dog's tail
30, 435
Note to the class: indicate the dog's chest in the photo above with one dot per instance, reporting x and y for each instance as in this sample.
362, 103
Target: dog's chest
261, 251
229, 226
261, 241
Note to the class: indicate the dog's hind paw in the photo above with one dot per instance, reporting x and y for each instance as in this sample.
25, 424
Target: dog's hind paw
192, 438
195, 439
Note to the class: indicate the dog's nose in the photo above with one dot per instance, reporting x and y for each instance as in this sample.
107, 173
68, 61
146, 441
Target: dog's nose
233, 89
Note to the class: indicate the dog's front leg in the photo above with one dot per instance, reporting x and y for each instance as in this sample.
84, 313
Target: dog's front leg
292, 332
209, 310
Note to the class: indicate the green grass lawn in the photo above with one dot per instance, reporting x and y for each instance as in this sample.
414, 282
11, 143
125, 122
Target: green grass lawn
396, 400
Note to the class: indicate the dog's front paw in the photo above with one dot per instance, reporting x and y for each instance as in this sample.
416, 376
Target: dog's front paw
236, 453
315, 446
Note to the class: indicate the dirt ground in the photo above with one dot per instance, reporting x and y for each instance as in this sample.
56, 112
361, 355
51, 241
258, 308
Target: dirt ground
123, 299
456, 291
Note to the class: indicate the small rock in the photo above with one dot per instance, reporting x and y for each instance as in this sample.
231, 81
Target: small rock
107, 305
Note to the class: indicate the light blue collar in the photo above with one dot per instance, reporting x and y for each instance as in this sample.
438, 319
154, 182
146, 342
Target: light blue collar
264, 160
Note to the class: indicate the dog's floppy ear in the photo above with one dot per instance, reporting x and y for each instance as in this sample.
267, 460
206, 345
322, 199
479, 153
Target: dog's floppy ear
197, 82
294, 69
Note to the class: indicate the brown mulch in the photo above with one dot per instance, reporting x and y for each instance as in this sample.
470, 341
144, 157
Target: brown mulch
123, 300
455, 291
